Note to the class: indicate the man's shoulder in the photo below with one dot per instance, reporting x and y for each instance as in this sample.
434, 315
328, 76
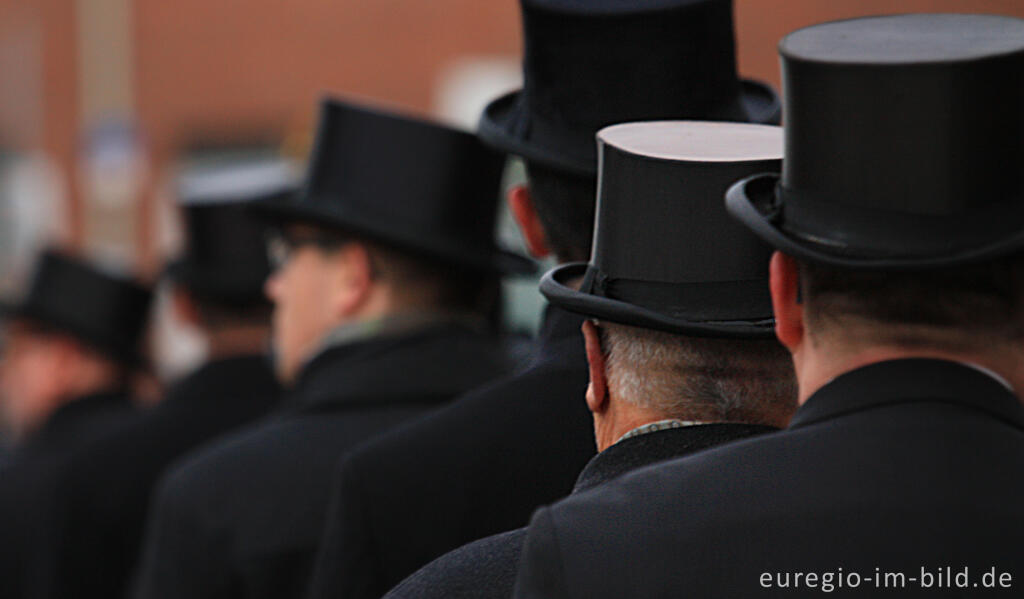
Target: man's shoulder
859, 478
894, 444
135, 432
226, 466
537, 400
22, 474
693, 479
56, 460
256, 460
481, 569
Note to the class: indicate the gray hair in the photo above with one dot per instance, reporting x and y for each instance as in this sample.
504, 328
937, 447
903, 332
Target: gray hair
699, 378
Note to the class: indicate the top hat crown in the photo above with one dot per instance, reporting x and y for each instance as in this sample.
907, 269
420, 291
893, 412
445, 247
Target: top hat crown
666, 254
904, 143
410, 183
225, 257
589, 64
105, 311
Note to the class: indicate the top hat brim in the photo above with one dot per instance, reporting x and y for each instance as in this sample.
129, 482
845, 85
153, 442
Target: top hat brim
492, 259
556, 288
498, 128
131, 357
753, 202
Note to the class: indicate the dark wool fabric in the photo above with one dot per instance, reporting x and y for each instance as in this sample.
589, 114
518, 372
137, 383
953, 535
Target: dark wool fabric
486, 569
474, 469
29, 476
901, 466
93, 537
243, 518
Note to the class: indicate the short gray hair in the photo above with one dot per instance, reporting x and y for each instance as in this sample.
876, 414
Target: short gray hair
699, 378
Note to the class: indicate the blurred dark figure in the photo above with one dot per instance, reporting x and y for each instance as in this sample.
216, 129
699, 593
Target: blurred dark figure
72, 345
484, 465
381, 263
93, 544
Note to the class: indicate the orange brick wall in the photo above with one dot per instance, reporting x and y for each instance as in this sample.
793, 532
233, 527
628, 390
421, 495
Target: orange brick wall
231, 67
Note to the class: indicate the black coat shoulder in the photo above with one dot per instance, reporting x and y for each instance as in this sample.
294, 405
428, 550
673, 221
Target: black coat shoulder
29, 483
102, 495
478, 467
243, 517
904, 467
483, 569
486, 569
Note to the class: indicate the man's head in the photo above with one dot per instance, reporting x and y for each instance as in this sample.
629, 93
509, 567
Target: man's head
325, 278
827, 313
555, 213
640, 375
588, 65
218, 277
396, 214
896, 234
43, 367
678, 288
78, 330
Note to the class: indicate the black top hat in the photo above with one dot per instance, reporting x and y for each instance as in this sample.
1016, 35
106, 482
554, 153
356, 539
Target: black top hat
105, 311
410, 183
904, 144
666, 255
592, 63
225, 259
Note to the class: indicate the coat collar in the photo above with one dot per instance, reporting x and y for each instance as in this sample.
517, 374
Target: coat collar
236, 376
426, 365
911, 380
636, 452
77, 413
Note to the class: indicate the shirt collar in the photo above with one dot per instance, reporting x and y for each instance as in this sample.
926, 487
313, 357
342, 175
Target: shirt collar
434, 362
659, 444
660, 425
390, 325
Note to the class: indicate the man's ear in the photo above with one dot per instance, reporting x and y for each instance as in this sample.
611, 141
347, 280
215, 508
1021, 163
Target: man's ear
352, 274
525, 213
784, 279
597, 391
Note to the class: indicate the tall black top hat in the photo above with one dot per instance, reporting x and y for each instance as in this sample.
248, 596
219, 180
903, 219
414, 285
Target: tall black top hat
904, 144
102, 310
666, 254
410, 183
592, 63
225, 259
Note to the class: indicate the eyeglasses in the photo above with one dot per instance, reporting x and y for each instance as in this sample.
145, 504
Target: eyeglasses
281, 245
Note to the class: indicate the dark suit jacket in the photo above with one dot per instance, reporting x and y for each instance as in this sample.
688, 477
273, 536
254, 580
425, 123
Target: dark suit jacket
94, 535
899, 466
28, 479
474, 469
243, 518
486, 569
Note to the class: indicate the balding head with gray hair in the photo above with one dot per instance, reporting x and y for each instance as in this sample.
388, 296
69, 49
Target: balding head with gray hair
699, 378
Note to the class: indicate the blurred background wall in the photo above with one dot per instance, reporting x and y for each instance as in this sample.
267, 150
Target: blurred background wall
102, 102
102, 99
